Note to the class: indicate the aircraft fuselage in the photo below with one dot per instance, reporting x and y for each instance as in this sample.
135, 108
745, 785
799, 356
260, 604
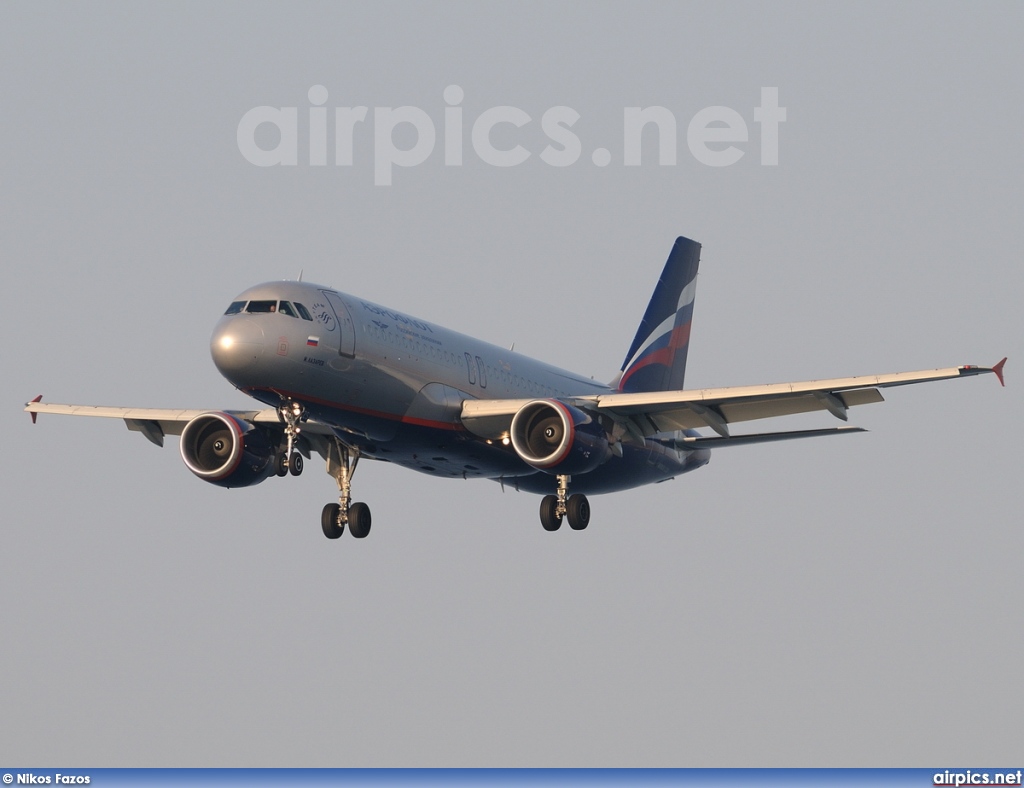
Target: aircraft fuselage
392, 385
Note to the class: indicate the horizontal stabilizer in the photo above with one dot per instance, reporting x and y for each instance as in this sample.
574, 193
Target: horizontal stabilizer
716, 442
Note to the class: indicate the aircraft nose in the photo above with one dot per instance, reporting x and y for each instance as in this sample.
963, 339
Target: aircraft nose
236, 345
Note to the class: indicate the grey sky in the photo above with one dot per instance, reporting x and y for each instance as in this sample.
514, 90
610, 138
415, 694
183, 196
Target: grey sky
855, 601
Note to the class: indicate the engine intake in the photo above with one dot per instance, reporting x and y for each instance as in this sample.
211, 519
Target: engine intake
226, 451
557, 438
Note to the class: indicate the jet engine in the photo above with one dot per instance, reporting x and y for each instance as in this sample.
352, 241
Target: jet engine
226, 451
557, 438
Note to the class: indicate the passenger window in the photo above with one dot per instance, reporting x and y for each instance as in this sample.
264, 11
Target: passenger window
261, 307
286, 309
235, 308
303, 312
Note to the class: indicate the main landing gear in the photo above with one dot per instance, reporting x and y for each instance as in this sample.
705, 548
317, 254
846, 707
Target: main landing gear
575, 508
290, 461
341, 464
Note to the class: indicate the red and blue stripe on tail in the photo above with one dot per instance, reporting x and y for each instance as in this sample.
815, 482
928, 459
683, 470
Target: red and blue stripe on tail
656, 360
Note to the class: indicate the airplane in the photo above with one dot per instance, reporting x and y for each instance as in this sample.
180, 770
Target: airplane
350, 379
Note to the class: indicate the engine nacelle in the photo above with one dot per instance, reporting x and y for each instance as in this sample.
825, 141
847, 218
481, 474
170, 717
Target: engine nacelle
226, 451
557, 438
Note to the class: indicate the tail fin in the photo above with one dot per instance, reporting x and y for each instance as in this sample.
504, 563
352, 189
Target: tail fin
656, 360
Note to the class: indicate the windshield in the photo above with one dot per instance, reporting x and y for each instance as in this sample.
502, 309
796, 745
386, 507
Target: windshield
289, 308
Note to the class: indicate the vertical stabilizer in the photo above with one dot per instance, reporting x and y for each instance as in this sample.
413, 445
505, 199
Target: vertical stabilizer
657, 358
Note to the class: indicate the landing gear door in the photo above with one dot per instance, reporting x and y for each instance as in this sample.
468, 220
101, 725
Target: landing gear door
346, 328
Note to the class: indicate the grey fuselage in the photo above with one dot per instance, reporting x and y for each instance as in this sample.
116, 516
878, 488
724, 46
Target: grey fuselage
392, 386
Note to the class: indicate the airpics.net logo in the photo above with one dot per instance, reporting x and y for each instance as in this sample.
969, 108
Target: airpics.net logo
716, 136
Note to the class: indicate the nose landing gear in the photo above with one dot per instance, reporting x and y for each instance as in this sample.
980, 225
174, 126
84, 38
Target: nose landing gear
292, 414
576, 508
341, 464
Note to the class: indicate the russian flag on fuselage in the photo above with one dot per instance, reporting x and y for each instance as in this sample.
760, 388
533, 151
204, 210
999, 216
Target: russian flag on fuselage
656, 360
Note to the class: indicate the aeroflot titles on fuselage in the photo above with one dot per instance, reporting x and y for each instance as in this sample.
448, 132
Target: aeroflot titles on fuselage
409, 321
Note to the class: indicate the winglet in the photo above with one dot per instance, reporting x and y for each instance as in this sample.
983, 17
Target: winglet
972, 369
998, 369
37, 399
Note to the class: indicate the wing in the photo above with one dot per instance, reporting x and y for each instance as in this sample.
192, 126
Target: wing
155, 423
644, 414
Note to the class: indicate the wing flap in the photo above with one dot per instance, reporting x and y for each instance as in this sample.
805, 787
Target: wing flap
663, 411
102, 411
644, 400
695, 416
702, 442
155, 423
782, 405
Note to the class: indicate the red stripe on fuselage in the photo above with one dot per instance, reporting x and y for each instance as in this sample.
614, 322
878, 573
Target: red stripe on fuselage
438, 425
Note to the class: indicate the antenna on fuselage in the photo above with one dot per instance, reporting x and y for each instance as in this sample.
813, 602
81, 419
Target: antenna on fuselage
300, 274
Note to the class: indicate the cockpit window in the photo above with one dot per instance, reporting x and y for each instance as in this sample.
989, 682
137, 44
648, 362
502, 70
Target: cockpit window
303, 312
235, 308
260, 307
287, 309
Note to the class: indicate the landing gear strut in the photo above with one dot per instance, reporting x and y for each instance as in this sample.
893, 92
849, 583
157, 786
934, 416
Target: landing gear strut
292, 414
576, 508
341, 464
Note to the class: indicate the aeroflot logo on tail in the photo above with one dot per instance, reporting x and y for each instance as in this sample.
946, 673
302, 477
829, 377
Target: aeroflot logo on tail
715, 136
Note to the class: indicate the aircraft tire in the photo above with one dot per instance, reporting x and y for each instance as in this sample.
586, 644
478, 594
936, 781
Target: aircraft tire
329, 521
548, 518
359, 520
295, 464
281, 468
577, 511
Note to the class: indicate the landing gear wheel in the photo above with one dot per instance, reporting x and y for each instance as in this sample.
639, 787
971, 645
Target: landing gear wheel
282, 465
577, 511
549, 516
359, 520
295, 464
330, 519
341, 464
